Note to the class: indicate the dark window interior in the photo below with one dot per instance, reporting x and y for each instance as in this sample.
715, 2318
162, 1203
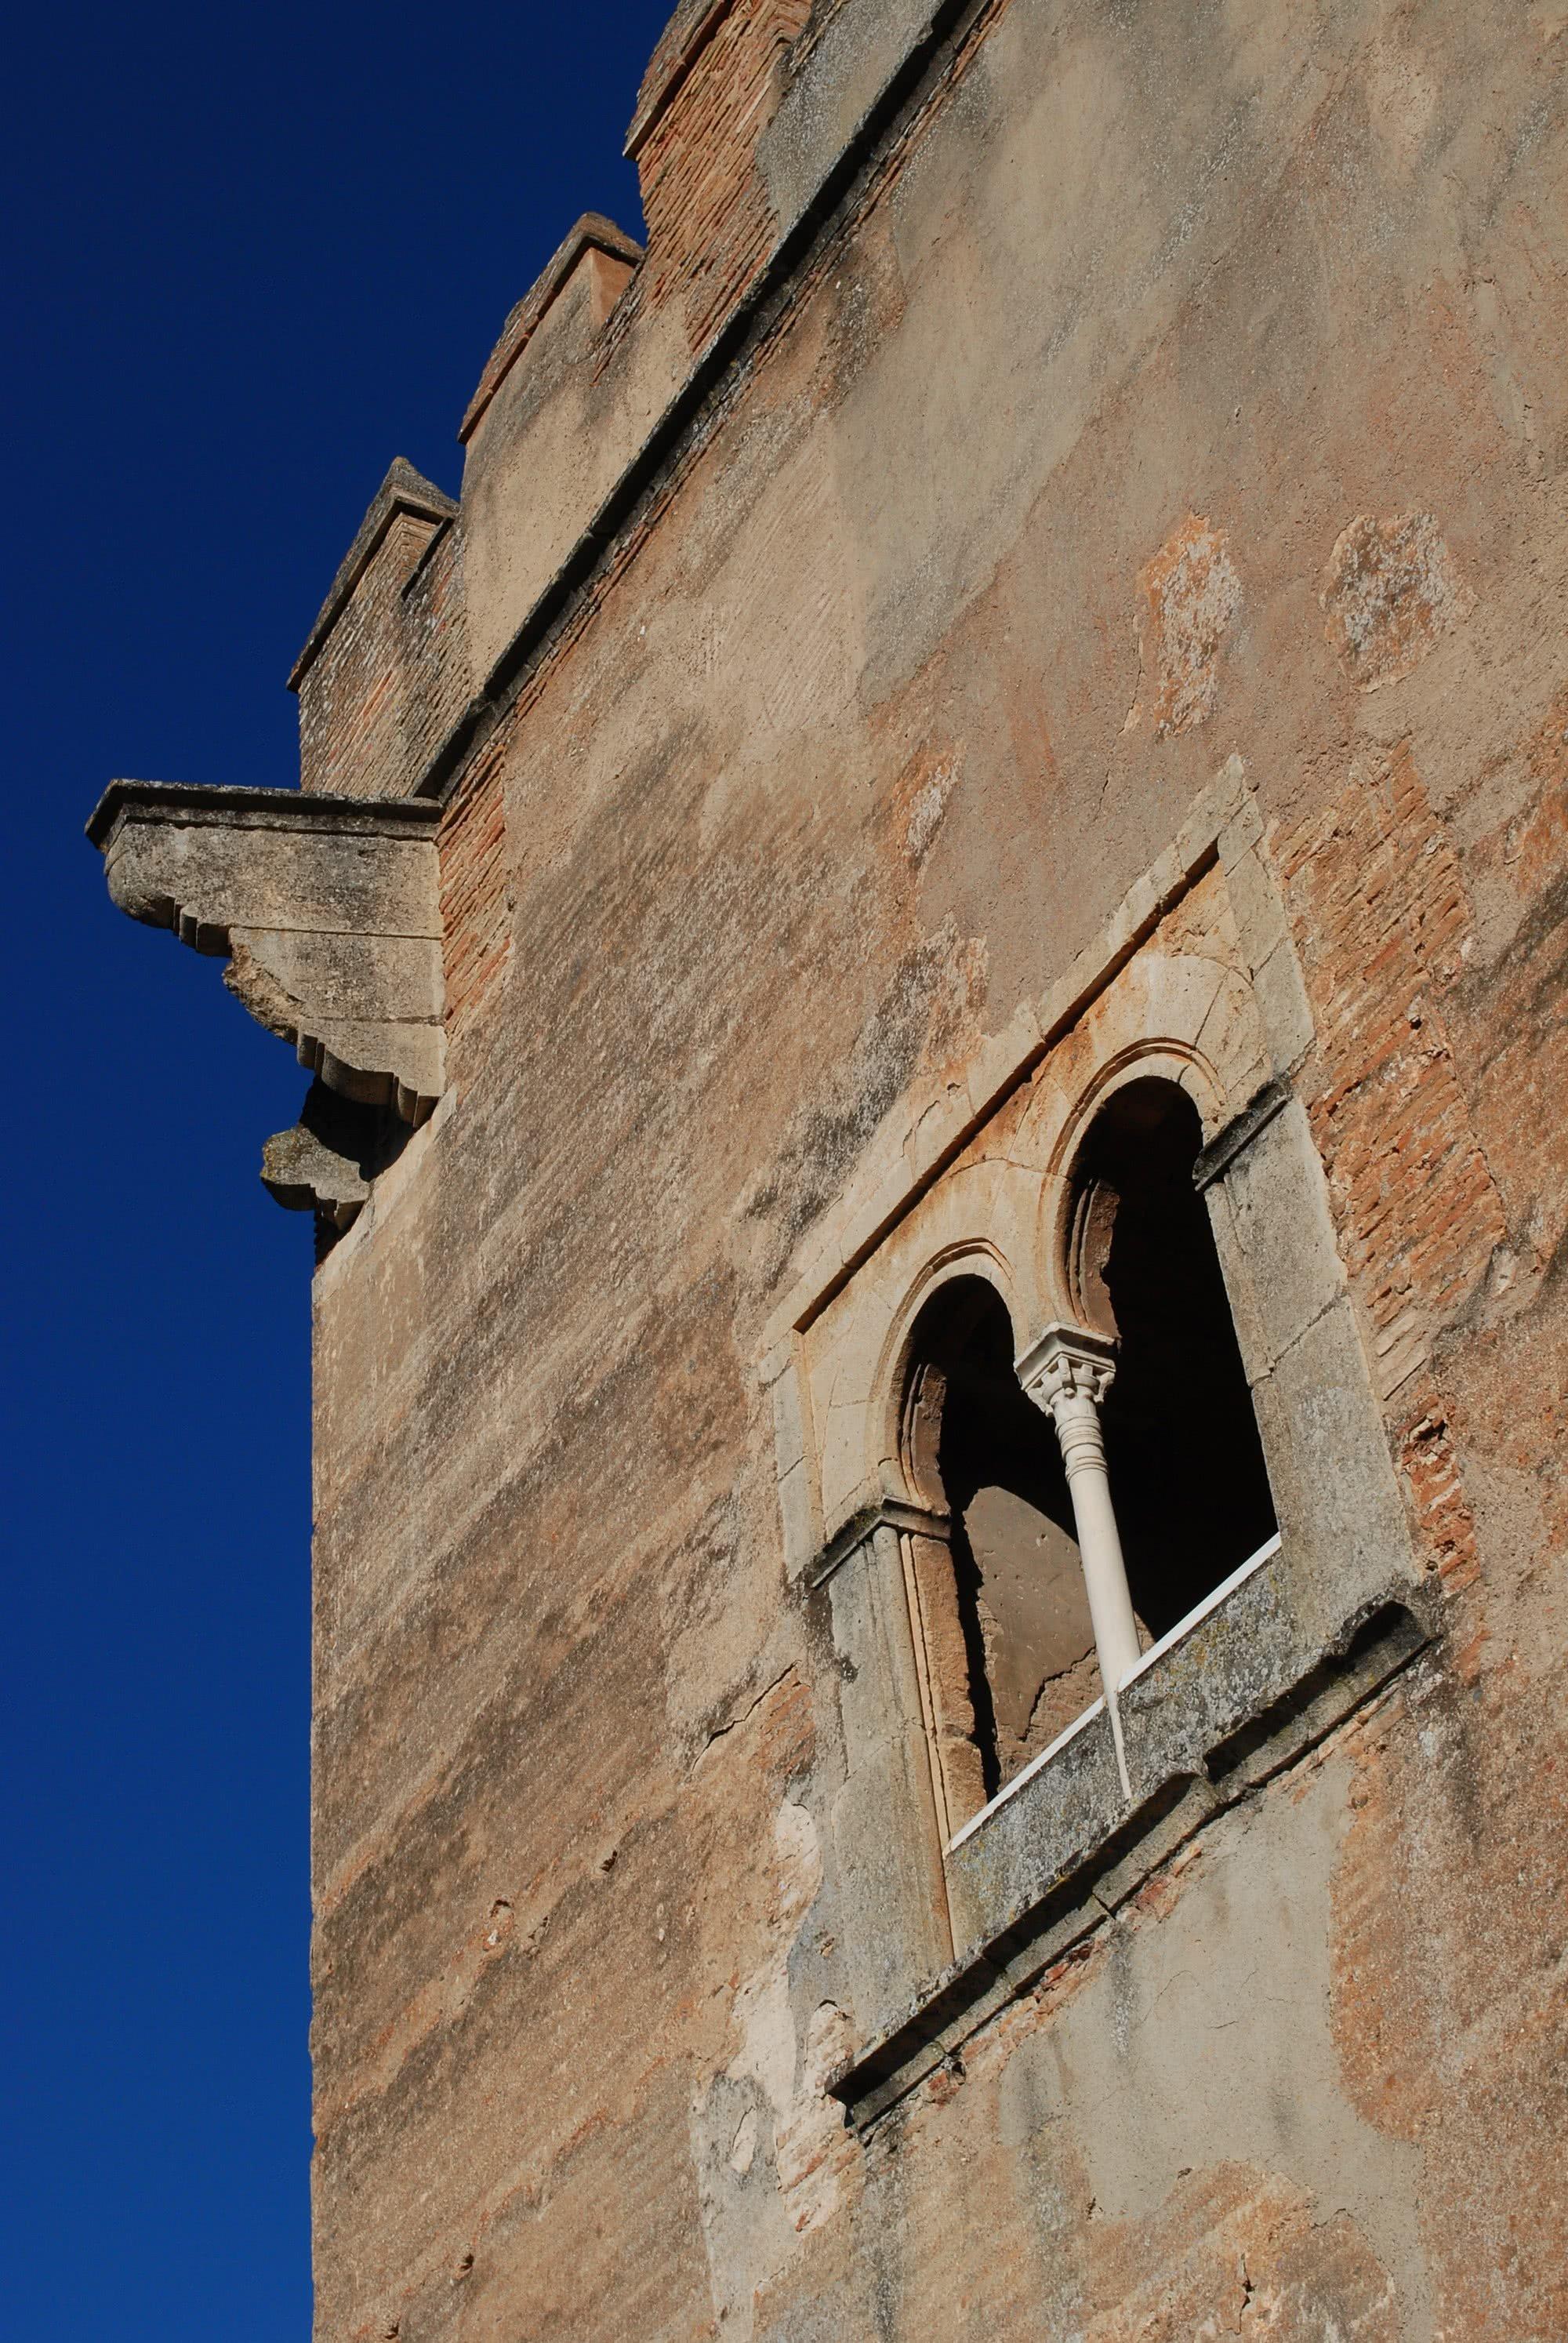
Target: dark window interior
1187, 1474
1019, 1580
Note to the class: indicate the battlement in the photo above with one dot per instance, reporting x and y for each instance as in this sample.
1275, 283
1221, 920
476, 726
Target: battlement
594, 366
710, 91
383, 668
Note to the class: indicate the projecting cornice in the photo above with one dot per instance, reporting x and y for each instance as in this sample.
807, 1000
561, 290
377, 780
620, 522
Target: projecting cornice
327, 910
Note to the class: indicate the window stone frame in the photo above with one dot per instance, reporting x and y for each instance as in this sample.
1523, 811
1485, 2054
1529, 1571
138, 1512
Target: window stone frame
943, 1919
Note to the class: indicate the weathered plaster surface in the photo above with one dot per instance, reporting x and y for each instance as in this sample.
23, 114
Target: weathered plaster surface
1120, 583
819, 806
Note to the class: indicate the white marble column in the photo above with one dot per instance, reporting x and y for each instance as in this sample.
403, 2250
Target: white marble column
1066, 1373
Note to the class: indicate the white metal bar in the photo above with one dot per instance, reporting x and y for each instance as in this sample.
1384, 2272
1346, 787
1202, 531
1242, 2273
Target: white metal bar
1209, 1603
1027, 1775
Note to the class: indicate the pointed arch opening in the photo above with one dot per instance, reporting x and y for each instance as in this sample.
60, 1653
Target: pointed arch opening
1002, 1606
1182, 1449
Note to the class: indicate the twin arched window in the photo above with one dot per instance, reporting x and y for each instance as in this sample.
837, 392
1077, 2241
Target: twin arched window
1010, 1609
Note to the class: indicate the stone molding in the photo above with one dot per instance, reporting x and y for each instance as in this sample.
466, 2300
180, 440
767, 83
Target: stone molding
1215, 1160
859, 1531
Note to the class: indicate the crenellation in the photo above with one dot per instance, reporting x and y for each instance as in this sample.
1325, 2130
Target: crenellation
709, 221
378, 679
590, 268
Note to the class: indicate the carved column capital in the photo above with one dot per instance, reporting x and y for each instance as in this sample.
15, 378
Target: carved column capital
1066, 1373
1068, 1362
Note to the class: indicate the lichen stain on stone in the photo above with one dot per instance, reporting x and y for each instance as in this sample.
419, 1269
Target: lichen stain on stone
1189, 595
1391, 591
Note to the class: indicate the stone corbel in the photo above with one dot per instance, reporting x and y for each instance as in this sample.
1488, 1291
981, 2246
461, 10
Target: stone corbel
327, 910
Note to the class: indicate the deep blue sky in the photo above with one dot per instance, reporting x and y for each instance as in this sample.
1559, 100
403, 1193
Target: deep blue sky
250, 254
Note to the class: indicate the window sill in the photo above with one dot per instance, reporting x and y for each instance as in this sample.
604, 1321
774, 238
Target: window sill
1168, 1642
1235, 1693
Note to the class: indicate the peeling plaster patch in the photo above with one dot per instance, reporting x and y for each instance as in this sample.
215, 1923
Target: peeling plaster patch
810, 2141
743, 2147
760, 2013
1402, 101
767, 2115
1189, 596
1226, 2017
1391, 591
814, 2145
926, 813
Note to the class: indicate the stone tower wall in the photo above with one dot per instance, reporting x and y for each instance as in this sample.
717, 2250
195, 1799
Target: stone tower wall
1068, 512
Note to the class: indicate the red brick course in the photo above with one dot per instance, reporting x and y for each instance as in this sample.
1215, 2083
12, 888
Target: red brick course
1383, 925
476, 910
1382, 921
709, 223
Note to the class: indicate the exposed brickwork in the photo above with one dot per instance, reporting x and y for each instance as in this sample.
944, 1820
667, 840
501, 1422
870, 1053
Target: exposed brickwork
1429, 1460
348, 702
380, 690
709, 219
1382, 923
475, 909
432, 681
1384, 928
1515, 1048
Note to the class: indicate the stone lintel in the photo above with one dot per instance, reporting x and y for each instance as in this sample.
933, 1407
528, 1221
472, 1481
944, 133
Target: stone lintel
326, 909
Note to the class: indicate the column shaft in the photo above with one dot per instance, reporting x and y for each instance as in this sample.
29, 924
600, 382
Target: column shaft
1076, 1420
1066, 1373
